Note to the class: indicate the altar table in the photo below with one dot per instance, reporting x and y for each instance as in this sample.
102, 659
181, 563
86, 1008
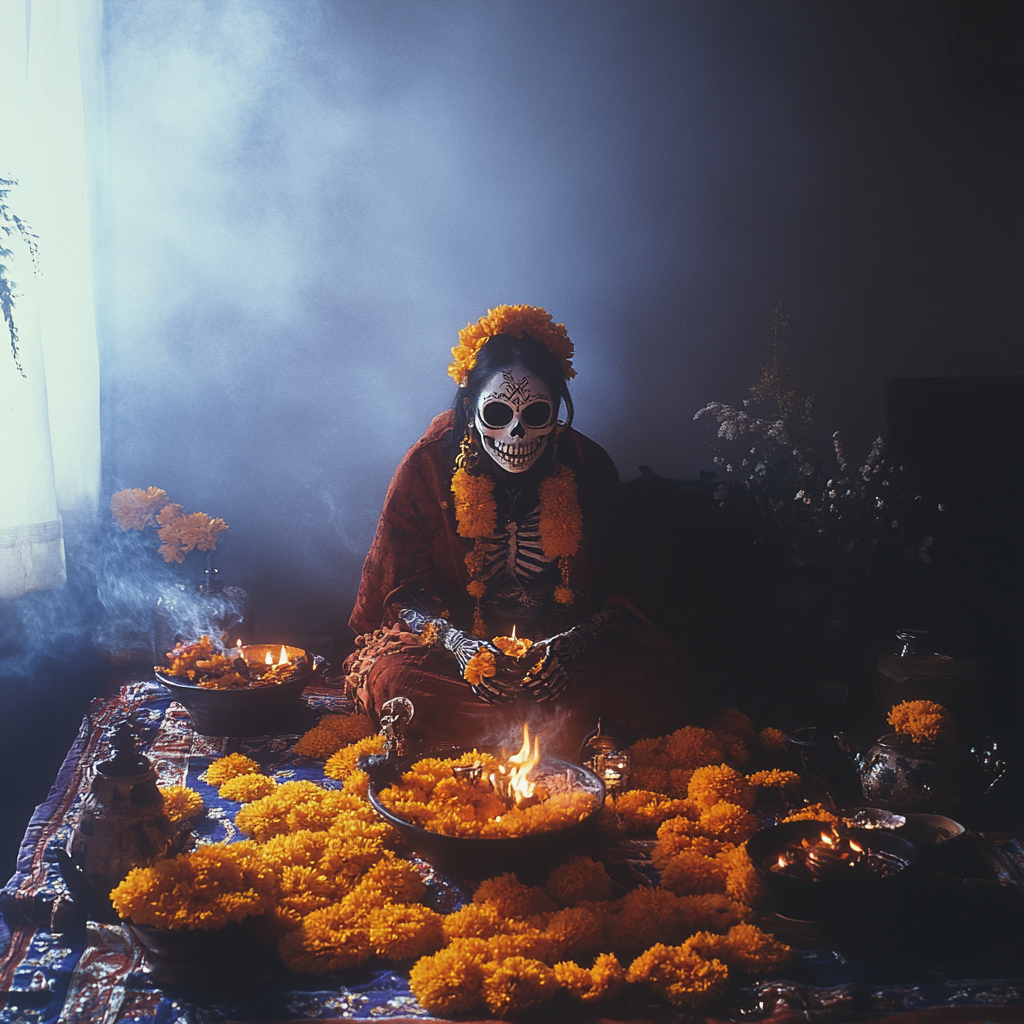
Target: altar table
58, 968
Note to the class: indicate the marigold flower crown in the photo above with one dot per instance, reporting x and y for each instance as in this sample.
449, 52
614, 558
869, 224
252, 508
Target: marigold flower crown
516, 321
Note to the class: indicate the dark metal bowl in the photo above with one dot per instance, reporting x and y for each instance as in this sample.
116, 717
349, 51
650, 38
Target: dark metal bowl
470, 857
830, 897
251, 710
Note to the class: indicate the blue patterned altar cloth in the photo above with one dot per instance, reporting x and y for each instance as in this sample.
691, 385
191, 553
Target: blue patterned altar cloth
57, 969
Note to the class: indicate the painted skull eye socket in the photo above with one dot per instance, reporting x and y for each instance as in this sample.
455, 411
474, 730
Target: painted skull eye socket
497, 414
537, 414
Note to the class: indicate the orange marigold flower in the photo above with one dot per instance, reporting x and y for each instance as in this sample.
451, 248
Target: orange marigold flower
690, 874
709, 945
204, 889
342, 763
680, 975
678, 834
402, 931
451, 980
475, 921
527, 941
513, 646
561, 522
481, 666
244, 789
749, 949
325, 941
646, 916
515, 321
290, 807
579, 878
716, 783
181, 803
332, 733
693, 747
475, 510
773, 741
641, 811
358, 784
476, 588
229, 767
603, 981
511, 898
923, 721
713, 912
812, 812
564, 595
518, 984
135, 509
741, 880
774, 778
728, 821
574, 932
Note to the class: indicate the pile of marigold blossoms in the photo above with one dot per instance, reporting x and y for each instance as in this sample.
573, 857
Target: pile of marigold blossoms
341, 896
206, 889
430, 796
180, 533
516, 947
924, 721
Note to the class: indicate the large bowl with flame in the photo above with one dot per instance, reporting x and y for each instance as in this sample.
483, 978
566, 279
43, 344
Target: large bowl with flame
846, 878
529, 855
250, 710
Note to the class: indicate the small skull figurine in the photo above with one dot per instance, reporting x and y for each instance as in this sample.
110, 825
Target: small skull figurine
395, 714
514, 416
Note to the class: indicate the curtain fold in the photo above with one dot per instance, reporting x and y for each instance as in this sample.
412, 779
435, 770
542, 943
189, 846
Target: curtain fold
49, 397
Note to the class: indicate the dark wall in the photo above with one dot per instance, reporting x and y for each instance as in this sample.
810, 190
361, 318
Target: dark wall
306, 200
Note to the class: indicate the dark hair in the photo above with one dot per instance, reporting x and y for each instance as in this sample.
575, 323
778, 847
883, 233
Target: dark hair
501, 352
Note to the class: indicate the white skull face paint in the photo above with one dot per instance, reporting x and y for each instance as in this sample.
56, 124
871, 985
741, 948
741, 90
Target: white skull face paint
514, 415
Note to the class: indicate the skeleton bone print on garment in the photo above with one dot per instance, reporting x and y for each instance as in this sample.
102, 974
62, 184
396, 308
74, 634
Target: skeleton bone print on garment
514, 415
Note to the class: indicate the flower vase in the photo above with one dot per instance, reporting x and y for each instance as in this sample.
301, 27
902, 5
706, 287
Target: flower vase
187, 611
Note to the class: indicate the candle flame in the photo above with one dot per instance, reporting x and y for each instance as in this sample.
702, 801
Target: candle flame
269, 658
283, 660
513, 632
856, 847
826, 838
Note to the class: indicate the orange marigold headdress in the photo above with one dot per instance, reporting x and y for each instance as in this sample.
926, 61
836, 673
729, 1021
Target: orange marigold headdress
515, 321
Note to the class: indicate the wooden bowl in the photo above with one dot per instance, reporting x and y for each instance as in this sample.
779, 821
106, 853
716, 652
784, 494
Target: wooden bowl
250, 710
477, 857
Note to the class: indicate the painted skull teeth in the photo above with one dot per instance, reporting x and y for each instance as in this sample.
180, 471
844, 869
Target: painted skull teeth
516, 455
508, 416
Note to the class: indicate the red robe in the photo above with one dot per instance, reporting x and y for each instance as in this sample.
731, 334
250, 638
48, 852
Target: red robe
633, 679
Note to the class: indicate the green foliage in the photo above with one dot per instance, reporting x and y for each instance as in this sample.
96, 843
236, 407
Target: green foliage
11, 224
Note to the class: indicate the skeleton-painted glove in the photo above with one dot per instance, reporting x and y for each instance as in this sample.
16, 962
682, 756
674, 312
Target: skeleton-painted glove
500, 687
559, 654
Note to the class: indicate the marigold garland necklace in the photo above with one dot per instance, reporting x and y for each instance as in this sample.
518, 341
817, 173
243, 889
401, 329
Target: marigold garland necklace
476, 514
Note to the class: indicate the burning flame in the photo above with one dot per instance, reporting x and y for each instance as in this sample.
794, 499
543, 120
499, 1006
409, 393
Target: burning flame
269, 659
524, 762
855, 846
512, 779
283, 660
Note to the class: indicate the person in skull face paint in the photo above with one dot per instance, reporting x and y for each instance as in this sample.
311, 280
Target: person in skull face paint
503, 517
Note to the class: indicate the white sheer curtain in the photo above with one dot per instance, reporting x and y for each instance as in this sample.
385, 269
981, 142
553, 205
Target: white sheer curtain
49, 408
